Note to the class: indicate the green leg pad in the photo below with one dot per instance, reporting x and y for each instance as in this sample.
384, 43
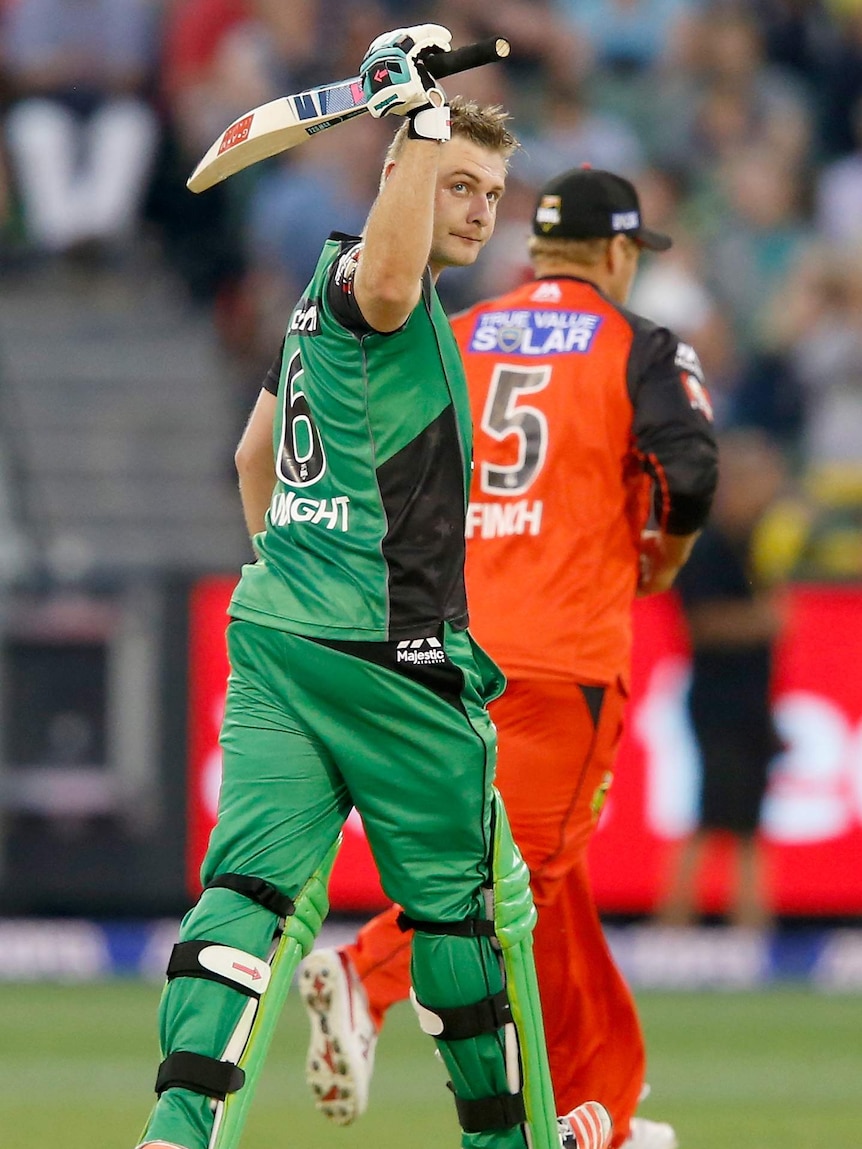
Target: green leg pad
301, 928
201, 1015
451, 971
514, 920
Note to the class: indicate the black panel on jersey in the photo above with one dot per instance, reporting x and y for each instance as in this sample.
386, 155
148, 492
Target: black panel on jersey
270, 380
672, 435
419, 489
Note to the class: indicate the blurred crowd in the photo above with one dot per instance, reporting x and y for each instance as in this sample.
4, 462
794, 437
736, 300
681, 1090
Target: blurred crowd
741, 124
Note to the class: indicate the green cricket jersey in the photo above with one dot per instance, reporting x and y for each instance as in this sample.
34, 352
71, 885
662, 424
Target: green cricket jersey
364, 536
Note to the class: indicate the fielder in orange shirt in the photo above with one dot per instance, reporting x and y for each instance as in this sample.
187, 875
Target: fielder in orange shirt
595, 466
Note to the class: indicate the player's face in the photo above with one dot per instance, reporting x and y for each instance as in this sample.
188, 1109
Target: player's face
470, 183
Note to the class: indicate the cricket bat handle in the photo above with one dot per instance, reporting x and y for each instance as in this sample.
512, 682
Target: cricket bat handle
442, 64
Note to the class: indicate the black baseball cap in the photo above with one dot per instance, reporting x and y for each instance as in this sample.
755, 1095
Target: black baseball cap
586, 203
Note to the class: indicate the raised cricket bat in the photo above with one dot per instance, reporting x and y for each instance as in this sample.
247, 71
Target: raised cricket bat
290, 120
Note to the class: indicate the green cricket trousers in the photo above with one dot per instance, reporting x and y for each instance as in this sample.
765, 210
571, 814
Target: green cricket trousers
313, 728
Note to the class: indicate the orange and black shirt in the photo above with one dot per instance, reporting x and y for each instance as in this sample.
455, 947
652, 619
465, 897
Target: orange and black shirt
590, 423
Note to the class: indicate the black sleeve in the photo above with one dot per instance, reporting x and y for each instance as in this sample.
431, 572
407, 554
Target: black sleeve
270, 380
339, 291
673, 426
342, 301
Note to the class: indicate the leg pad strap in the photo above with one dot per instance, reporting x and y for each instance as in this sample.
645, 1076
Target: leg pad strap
223, 964
200, 1074
485, 1113
467, 928
460, 1022
257, 890
301, 928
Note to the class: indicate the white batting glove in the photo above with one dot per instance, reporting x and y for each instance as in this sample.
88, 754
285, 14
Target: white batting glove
424, 36
394, 78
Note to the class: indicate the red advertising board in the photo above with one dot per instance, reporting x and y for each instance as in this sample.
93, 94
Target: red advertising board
813, 813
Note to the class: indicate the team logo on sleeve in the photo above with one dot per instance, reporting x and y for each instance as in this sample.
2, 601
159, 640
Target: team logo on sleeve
305, 319
534, 332
691, 377
698, 396
686, 359
345, 269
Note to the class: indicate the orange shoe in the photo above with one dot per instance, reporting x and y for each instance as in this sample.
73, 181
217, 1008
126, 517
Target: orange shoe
588, 1126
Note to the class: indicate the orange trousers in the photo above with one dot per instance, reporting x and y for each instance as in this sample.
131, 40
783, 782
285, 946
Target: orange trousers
554, 769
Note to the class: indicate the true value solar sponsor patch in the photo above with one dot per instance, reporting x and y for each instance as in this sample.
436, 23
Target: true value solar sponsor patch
534, 333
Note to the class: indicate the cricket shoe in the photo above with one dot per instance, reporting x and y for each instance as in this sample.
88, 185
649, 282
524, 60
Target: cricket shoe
588, 1126
645, 1134
340, 1057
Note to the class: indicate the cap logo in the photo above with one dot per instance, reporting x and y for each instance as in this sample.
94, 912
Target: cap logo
625, 220
548, 212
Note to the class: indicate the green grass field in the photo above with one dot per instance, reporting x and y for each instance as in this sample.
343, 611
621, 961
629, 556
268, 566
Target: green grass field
771, 1070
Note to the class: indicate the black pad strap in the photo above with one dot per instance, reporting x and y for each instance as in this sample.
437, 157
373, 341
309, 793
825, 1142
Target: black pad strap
185, 962
257, 890
463, 1021
485, 1113
468, 928
200, 1074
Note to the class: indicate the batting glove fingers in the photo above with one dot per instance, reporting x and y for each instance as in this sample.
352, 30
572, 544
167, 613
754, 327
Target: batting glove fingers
424, 37
394, 77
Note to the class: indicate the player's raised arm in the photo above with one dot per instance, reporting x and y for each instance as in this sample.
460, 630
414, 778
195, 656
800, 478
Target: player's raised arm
395, 81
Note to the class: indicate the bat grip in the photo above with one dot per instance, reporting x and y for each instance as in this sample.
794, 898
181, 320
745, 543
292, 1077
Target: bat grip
442, 64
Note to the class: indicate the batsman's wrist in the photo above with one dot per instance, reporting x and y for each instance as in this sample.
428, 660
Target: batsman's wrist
429, 122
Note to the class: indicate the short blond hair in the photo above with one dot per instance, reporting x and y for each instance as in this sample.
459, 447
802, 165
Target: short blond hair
579, 252
585, 252
486, 125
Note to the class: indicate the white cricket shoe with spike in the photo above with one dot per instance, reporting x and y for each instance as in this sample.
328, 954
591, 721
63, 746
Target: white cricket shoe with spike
588, 1126
340, 1057
645, 1134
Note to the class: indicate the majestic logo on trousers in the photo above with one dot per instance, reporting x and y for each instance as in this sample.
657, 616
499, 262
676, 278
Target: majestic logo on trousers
420, 651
